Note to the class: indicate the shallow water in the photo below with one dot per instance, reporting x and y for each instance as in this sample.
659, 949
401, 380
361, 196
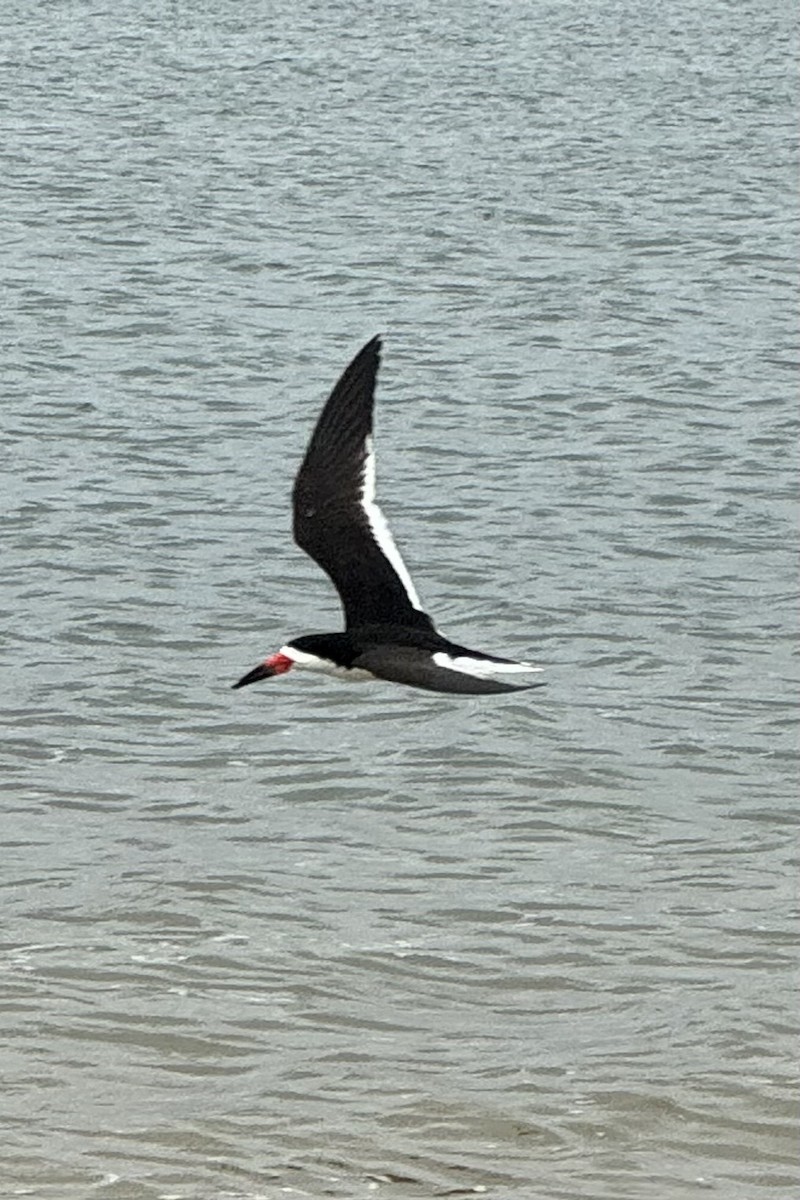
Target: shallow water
315, 940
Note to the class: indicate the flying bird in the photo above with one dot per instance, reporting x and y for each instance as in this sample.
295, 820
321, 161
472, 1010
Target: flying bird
387, 633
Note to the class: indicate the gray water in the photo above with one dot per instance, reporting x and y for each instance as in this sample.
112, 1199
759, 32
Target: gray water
312, 940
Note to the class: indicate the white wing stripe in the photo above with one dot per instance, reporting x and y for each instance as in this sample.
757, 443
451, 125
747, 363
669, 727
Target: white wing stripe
380, 529
481, 668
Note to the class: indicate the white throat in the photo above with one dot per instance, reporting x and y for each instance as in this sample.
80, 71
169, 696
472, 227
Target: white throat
323, 666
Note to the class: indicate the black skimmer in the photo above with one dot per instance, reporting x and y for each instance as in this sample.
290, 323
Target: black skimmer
387, 634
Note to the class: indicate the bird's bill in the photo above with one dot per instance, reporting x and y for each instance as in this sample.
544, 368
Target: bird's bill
276, 664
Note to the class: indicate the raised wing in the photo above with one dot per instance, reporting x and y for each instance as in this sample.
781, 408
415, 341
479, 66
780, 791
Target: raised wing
336, 519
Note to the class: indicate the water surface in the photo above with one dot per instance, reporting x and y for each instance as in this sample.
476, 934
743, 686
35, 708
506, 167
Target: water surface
323, 941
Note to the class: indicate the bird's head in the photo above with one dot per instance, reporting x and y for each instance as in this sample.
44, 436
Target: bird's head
274, 664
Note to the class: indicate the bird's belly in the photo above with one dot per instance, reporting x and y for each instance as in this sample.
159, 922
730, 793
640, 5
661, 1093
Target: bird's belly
348, 674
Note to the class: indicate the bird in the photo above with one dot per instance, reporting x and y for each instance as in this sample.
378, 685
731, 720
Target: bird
337, 522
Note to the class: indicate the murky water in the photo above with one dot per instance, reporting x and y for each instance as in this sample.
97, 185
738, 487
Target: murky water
324, 941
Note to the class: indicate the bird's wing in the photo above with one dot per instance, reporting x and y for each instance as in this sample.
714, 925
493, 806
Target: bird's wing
420, 668
336, 519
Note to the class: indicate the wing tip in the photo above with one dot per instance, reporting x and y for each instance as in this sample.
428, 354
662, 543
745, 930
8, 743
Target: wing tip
516, 687
362, 365
373, 347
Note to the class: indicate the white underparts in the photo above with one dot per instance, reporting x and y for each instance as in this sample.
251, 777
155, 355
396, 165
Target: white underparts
323, 666
380, 529
481, 668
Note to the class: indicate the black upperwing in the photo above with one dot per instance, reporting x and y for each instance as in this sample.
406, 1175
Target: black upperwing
336, 519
